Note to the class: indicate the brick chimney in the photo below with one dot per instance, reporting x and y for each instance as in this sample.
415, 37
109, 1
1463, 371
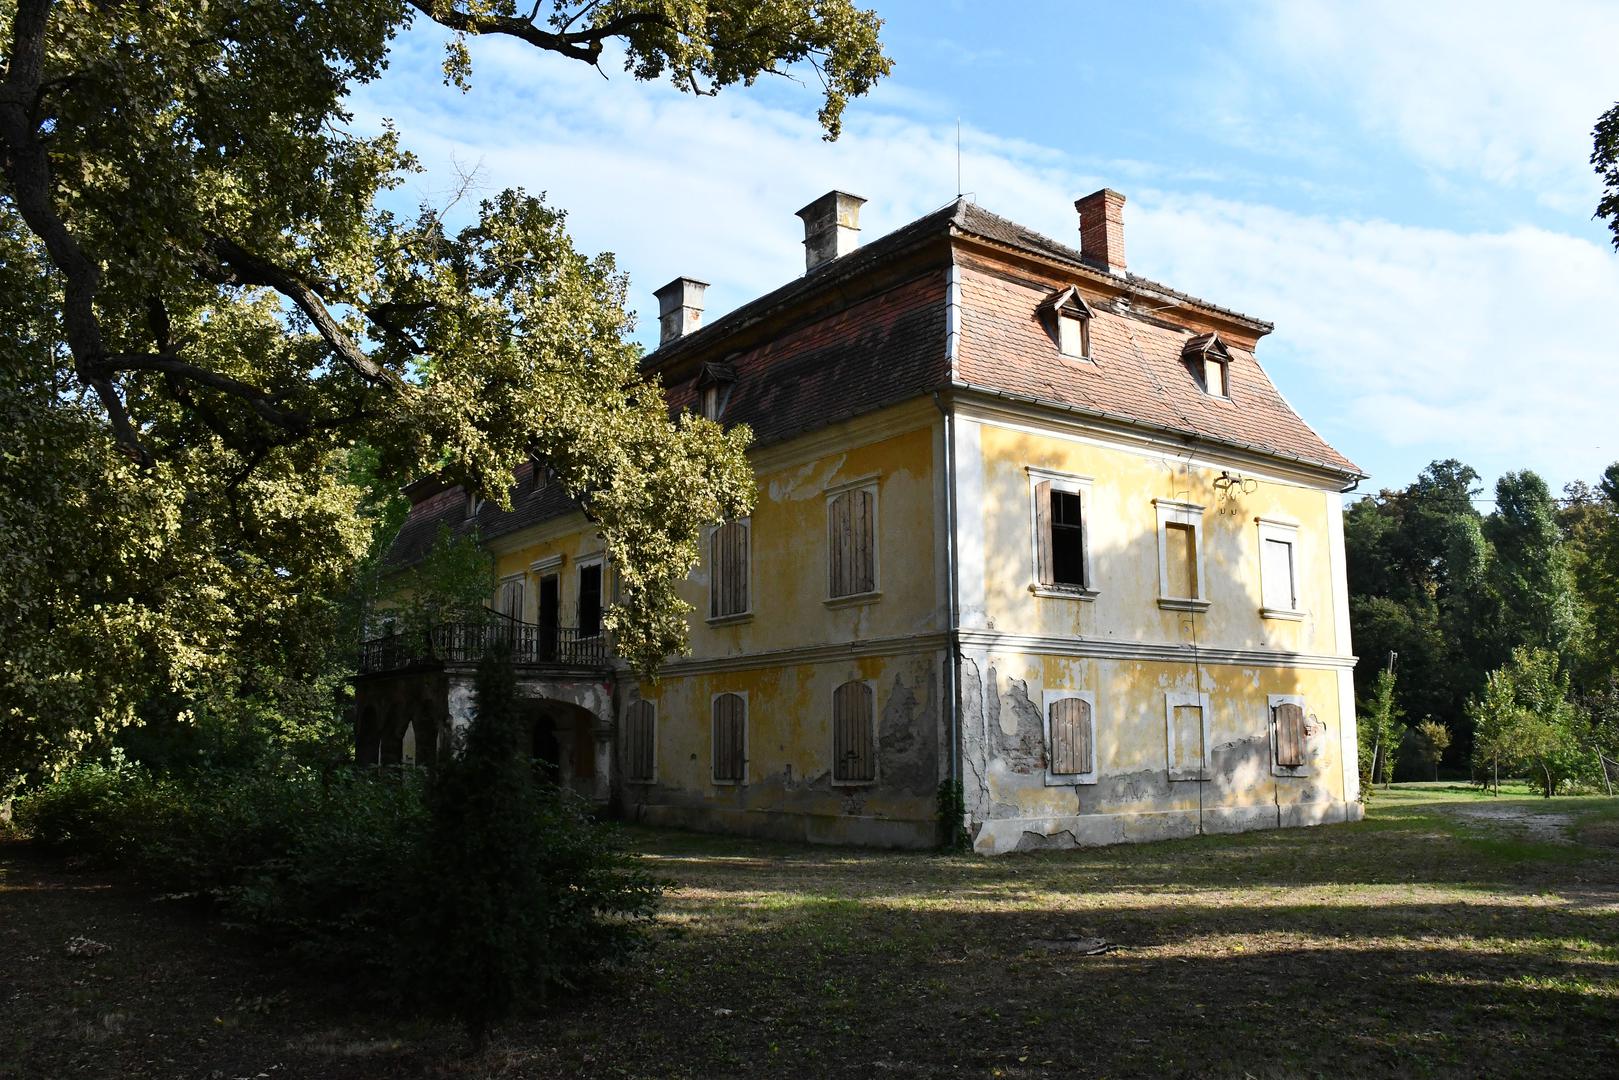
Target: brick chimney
680, 308
831, 227
1101, 230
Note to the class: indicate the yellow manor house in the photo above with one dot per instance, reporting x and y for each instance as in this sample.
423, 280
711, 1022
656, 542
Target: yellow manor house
1027, 523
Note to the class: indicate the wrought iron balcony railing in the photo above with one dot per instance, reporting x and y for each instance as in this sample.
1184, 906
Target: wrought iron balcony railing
469, 642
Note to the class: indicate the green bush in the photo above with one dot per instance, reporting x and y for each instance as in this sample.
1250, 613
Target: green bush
523, 893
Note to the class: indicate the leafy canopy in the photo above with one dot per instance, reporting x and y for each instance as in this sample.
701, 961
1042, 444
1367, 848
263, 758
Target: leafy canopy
208, 326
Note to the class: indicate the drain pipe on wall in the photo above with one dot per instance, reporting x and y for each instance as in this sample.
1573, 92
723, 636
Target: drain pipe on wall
952, 665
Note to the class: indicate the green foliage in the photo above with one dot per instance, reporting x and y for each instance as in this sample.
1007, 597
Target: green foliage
452, 583
1380, 731
1525, 722
219, 357
1605, 160
524, 893
1433, 739
953, 816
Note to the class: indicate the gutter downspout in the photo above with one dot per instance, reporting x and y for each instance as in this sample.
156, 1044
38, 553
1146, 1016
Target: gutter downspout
952, 590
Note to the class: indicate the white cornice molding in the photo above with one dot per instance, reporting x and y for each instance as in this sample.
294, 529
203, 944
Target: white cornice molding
828, 652
993, 640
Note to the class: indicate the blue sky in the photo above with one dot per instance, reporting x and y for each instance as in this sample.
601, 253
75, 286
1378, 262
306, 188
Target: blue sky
1403, 189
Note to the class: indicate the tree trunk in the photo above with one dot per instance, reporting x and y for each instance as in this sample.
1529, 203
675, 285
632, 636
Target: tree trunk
1548, 773
1495, 769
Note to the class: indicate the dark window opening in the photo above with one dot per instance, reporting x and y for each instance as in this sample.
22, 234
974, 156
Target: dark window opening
590, 600
1067, 540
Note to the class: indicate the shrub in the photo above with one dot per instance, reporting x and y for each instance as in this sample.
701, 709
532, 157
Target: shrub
523, 892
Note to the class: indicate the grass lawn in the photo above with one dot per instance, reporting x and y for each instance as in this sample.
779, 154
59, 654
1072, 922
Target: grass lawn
1449, 934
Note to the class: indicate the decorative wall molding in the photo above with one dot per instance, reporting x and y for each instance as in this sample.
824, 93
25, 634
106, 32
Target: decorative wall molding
829, 652
1154, 652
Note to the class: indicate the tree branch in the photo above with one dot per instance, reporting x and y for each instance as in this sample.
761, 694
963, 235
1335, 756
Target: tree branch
585, 45
262, 402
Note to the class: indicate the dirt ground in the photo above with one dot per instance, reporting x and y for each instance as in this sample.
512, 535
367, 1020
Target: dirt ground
1449, 934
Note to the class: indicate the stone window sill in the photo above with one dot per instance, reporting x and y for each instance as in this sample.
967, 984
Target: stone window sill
1174, 603
728, 620
1281, 614
1064, 592
853, 599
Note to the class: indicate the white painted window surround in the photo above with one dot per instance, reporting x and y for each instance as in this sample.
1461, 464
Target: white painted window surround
1189, 515
1184, 747
1073, 484
1279, 566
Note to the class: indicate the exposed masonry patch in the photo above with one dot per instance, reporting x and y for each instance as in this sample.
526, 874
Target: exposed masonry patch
1023, 747
976, 793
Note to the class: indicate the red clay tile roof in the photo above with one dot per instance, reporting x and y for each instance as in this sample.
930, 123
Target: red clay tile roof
1137, 374
891, 347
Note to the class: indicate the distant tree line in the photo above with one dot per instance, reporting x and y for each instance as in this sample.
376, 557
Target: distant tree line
1501, 628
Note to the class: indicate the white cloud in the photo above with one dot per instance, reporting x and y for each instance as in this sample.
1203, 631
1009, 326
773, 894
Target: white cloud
1412, 342
1503, 91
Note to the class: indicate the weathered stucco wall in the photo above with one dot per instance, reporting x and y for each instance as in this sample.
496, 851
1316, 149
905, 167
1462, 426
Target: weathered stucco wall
1129, 651
788, 791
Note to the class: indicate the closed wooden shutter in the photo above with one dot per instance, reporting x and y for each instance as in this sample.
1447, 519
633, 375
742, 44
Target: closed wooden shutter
640, 734
728, 551
1042, 531
1071, 741
852, 542
1289, 735
730, 714
854, 750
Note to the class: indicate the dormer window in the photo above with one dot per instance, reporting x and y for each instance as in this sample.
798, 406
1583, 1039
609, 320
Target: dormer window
1210, 362
1069, 317
714, 384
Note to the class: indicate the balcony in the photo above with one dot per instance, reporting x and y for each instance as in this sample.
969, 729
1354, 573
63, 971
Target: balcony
531, 645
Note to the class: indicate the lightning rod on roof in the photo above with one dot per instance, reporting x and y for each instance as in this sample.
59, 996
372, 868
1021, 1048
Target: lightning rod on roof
958, 157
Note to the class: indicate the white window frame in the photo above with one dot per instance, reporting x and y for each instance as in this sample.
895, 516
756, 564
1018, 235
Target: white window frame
1081, 331
1073, 484
873, 485
708, 540
1171, 511
1179, 771
653, 778
1270, 725
1287, 532
832, 737
580, 565
1057, 779
747, 717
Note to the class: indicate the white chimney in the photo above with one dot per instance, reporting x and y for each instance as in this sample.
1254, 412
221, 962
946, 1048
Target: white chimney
680, 308
831, 227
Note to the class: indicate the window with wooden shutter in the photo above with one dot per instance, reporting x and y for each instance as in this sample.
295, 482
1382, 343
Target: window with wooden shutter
511, 598
1072, 743
854, 736
730, 738
852, 542
1290, 735
1062, 563
728, 561
640, 742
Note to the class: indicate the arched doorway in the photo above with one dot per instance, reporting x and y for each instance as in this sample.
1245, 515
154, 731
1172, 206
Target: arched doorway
563, 742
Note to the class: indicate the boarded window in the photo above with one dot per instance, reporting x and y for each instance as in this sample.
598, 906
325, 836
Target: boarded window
854, 750
590, 600
640, 735
1290, 736
1180, 560
730, 720
728, 587
852, 542
1276, 572
1186, 742
1072, 745
1073, 335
